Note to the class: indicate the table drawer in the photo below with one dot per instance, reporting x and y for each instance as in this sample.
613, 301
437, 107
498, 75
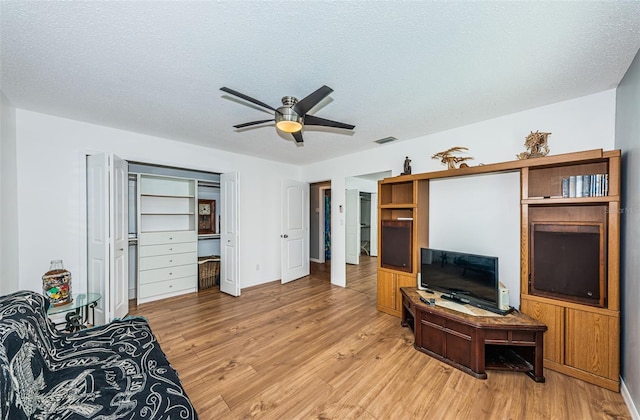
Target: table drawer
168, 286
164, 249
156, 238
509, 337
463, 330
167, 273
433, 319
169, 260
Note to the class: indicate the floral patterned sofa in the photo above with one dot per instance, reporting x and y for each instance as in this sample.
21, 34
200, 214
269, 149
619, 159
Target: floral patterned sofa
114, 371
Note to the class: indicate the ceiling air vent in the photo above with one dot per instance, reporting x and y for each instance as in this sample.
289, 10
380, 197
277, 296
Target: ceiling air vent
385, 140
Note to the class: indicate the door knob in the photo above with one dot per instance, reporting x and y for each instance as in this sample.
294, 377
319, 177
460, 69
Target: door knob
284, 236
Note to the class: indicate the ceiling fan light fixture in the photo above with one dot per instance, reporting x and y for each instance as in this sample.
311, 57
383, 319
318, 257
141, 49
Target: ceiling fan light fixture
288, 120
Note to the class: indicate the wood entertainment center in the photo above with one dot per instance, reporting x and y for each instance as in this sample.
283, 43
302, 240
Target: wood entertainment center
583, 336
475, 343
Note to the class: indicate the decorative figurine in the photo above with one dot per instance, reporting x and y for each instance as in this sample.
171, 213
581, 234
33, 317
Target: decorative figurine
536, 144
447, 157
407, 166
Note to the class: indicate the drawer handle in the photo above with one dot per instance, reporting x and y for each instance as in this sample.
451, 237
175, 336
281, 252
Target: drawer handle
171, 238
170, 286
170, 260
171, 274
170, 249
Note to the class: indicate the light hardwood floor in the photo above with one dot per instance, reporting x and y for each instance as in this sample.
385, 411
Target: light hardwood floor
310, 350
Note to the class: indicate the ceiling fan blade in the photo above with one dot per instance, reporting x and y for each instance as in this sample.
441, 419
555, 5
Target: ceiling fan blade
246, 98
297, 136
313, 120
305, 104
252, 123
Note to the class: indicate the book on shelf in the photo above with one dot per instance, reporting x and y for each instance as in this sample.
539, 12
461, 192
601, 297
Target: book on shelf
572, 186
404, 218
594, 185
586, 186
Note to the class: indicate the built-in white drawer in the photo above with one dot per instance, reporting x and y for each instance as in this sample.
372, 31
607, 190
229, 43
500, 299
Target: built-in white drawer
164, 249
157, 238
167, 286
168, 260
168, 273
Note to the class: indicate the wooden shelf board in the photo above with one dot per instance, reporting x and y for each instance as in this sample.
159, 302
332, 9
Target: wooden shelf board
571, 305
573, 200
398, 206
510, 166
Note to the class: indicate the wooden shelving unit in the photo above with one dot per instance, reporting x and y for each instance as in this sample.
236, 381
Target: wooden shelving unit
583, 340
397, 200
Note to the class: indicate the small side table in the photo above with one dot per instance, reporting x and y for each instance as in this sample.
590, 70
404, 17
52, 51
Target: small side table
77, 311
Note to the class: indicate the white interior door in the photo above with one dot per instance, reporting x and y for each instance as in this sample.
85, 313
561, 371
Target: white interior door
107, 235
119, 221
229, 232
352, 228
373, 247
295, 230
98, 232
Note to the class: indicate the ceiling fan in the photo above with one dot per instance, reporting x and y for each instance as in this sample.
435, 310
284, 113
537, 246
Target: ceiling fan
292, 116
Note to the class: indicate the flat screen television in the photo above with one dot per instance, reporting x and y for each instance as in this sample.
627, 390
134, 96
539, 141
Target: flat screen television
466, 278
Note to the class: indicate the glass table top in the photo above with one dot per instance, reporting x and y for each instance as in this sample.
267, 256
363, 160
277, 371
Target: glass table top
79, 300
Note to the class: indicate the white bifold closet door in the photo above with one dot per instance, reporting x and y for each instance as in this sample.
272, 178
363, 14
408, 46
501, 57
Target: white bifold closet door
108, 235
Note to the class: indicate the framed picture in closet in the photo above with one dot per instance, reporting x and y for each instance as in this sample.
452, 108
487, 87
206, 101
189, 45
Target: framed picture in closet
206, 216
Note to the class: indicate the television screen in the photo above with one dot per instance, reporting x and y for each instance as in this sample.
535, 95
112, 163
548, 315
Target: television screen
468, 276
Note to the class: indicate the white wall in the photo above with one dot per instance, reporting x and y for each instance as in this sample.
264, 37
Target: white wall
51, 173
579, 124
480, 215
8, 199
362, 185
628, 140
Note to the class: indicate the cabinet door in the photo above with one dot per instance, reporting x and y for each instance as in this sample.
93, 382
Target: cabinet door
553, 317
386, 285
402, 280
459, 343
430, 332
591, 342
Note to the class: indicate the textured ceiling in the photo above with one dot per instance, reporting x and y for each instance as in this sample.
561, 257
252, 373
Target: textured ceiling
402, 69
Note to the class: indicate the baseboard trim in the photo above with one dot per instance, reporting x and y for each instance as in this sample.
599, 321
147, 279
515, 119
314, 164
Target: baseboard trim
316, 260
633, 410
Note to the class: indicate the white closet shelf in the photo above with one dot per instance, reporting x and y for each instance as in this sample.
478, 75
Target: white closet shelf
170, 213
209, 236
166, 195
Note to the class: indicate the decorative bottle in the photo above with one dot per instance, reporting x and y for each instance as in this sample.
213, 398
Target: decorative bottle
56, 284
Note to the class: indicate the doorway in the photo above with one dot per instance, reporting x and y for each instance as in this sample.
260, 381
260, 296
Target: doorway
320, 228
363, 275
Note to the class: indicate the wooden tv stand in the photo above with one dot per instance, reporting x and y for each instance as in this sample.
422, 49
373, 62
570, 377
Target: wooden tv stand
475, 343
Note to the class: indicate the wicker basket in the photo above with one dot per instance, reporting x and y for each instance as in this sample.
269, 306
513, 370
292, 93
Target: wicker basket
209, 271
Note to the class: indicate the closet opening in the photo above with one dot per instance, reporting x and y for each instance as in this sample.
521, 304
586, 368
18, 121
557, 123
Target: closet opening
174, 231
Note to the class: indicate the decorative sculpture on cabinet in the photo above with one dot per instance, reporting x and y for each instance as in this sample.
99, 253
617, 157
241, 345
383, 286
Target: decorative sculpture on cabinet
447, 157
536, 144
